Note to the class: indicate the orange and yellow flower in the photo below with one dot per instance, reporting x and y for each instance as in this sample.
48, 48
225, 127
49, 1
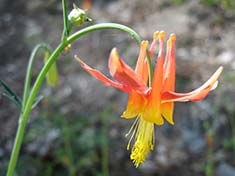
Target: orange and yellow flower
150, 104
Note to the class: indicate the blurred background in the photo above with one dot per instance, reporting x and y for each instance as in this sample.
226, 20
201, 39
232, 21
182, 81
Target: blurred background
77, 129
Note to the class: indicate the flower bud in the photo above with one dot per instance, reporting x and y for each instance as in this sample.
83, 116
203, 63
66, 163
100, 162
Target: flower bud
78, 16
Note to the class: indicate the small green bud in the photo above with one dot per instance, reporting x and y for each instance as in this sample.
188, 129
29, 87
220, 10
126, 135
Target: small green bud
78, 16
52, 74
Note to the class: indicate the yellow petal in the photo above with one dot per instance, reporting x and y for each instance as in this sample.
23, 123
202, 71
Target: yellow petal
152, 114
167, 110
135, 105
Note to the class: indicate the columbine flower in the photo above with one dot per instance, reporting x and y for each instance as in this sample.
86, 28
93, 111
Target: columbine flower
149, 104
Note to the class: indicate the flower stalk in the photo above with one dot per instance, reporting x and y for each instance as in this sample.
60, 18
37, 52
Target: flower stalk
66, 29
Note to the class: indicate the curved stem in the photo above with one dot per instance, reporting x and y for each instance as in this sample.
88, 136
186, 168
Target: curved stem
29, 71
27, 109
118, 27
104, 26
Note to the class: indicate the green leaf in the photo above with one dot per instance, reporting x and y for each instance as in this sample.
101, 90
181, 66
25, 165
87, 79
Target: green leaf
11, 95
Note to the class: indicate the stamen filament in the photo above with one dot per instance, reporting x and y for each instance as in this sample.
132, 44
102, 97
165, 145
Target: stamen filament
132, 126
135, 126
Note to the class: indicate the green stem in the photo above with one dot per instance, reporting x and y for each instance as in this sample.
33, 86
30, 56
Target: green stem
150, 68
27, 109
104, 26
24, 116
29, 71
65, 18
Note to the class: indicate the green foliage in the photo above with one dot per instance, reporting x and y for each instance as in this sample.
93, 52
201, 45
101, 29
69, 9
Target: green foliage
78, 145
11, 95
177, 2
226, 5
209, 166
229, 143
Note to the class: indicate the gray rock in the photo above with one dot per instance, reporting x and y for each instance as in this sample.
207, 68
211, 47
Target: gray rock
225, 169
193, 140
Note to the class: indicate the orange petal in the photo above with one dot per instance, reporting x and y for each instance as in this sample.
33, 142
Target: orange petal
101, 77
158, 72
139, 69
169, 66
135, 105
153, 44
195, 95
152, 111
151, 49
169, 69
142, 64
125, 74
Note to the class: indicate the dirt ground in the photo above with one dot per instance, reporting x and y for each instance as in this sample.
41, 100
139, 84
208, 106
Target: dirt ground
205, 41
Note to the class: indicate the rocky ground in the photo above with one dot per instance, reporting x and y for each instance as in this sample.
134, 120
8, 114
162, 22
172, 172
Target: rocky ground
205, 40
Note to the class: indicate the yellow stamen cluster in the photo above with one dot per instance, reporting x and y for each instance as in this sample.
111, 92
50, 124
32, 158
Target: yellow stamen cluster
144, 140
